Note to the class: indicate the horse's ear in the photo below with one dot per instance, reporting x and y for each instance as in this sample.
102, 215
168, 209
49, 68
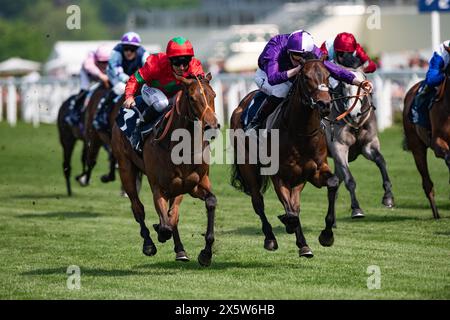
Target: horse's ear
208, 76
324, 57
447, 48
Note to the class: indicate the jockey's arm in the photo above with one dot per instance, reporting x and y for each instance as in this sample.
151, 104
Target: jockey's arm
115, 71
435, 73
368, 65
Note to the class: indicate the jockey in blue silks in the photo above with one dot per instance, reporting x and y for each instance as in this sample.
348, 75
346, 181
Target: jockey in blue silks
280, 62
435, 76
126, 58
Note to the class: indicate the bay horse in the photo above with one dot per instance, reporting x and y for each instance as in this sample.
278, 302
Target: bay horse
97, 138
68, 135
417, 138
302, 153
353, 135
170, 181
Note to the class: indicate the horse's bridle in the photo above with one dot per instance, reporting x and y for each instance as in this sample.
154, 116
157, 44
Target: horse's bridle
191, 115
307, 97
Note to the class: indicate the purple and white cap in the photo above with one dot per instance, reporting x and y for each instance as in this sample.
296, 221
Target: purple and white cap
300, 41
132, 39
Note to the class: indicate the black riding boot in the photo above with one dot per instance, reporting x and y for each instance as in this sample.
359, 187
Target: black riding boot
269, 105
149, 115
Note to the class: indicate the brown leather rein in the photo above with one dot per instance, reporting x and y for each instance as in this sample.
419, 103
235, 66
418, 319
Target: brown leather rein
171, 113
358, 95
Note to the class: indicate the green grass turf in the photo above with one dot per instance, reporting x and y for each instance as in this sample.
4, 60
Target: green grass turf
42, 232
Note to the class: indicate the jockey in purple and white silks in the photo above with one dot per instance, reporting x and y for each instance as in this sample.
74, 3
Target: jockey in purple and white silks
126, 58
434, 77
280, 62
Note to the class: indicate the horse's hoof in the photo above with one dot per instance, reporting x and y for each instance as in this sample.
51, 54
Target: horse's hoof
270, 245
106, 178
164, 233
388, 202
305, 252
357, 214
82, 180
204, 258
290, 221
149, 249
182, 256
326, 238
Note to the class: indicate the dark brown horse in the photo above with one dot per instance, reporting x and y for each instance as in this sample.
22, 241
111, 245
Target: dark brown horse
302, 153
417, 139
98, 138
170, 181
68, 135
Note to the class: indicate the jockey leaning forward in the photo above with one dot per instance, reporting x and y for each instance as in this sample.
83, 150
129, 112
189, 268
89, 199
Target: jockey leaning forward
279, 63
126, 58
92, 70
160, 85
435, 76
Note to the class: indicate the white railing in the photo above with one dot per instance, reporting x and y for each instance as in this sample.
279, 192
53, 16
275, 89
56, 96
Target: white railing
39, 102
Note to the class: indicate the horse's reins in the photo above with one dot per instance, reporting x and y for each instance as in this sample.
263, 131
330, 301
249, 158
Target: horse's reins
358, 96
171, 113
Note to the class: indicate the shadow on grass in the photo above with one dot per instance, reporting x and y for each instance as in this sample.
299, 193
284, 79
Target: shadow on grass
157, 268
386, 218
61, 215
256, 230
56, 196
443, 233
425, 205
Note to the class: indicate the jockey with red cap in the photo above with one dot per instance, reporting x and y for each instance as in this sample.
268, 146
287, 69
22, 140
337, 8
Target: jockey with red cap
346, 51
93, 69
279, 63
159, 82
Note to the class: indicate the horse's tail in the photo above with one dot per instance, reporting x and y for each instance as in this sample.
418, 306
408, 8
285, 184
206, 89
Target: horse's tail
238, 181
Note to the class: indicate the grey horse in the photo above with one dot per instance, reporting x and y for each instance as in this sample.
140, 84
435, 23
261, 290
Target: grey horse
355, 134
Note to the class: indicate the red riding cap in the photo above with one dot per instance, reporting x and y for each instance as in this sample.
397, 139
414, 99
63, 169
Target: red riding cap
179, 46
345, 42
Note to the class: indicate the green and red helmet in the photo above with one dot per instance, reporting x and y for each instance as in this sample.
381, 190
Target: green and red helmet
179, 46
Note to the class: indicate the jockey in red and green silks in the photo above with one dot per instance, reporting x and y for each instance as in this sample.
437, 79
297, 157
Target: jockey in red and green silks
159, 84
280, 62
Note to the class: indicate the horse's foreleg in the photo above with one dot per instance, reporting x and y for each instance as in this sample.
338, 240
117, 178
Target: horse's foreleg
165, 227
203, 191
289, 197
180, 253
111, 175
68, 146
441, 149
93, 147
324, 177
372, 152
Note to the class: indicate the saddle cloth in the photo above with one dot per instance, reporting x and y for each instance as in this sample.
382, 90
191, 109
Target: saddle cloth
128, 119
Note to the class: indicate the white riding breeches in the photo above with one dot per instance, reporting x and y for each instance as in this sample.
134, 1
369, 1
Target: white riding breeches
279, 90
155, 97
